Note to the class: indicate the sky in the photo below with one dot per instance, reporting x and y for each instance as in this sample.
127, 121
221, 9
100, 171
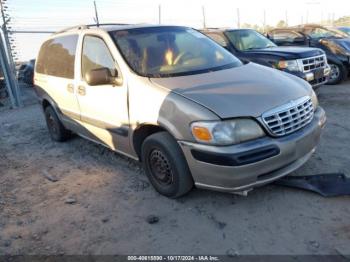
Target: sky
54, 15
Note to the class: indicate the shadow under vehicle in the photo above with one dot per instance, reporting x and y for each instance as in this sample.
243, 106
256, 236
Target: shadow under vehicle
334, 43
188, 109
248, 45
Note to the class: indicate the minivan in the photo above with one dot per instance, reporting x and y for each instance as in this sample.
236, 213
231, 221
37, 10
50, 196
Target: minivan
175, 100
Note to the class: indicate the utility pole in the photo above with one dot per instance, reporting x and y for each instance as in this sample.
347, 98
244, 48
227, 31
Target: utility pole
238, 19
203, 13
159, 14
286, 18
264, 21
96, 14
9, 69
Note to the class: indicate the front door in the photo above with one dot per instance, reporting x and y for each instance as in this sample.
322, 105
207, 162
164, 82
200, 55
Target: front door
104, 108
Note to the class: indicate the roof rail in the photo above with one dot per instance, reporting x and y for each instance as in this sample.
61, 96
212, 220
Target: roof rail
79, 27
105, 24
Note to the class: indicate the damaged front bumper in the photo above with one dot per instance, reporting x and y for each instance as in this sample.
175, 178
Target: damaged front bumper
254, 163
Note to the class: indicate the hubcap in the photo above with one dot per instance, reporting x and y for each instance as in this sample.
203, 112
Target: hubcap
52, 124
335, 72
160, 167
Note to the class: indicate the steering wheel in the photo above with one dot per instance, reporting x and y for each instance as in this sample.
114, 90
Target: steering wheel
181, 56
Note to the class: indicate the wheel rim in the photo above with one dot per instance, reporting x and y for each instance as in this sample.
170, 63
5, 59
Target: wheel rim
51, 124
160, 167
335, 72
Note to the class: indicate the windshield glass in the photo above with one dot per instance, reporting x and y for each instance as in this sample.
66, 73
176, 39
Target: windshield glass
171, 51
320, 32
248, 39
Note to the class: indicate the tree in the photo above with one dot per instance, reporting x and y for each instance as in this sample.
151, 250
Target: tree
281, 23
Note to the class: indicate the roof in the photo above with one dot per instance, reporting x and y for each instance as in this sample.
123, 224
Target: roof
111, 27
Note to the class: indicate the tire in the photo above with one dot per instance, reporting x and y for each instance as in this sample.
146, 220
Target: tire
166, 166
337, 74
56, 129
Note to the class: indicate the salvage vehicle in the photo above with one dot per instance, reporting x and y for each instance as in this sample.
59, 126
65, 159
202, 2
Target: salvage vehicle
335, 43
26, 72
250, 46
173, 99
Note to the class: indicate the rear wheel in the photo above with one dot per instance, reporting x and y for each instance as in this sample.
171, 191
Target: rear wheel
166, 166
56, 129
337, 74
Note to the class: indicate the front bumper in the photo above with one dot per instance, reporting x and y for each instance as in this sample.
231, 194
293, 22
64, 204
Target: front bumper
293, 151
316, 77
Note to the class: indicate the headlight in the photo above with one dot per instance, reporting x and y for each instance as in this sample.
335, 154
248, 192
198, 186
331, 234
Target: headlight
226, 132
291, 65
314, 100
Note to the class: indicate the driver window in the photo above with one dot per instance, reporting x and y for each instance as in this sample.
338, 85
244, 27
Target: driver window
96, 55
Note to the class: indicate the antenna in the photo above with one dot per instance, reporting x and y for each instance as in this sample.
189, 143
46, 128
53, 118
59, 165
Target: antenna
96, 14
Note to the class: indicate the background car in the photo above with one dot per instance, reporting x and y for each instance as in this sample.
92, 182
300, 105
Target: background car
335, 43
26, 72
344, 29
251, 46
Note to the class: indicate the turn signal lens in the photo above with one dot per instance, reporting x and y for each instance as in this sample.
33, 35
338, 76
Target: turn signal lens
282, 64
201, 133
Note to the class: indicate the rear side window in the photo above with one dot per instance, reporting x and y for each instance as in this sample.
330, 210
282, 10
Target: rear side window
56, 57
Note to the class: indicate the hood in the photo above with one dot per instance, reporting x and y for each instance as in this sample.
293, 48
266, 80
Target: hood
288, 52
247, 90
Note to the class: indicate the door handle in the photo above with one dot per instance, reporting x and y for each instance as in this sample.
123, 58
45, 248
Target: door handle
70, 88
81, 90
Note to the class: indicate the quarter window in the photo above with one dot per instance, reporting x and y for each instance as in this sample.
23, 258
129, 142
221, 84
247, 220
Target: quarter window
96, 55
57, 56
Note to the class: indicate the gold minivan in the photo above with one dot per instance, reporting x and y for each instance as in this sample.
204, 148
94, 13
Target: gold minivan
173, 99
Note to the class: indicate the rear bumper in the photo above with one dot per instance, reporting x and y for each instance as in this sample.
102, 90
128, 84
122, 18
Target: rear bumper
293, 151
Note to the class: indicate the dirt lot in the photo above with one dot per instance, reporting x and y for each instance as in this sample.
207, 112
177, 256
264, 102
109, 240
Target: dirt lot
80, 198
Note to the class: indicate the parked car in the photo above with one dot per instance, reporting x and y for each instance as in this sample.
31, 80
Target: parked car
181, 104
335, 44
344, 29
248, 45
26, 72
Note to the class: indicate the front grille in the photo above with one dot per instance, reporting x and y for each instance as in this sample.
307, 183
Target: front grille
290, 117
312, 63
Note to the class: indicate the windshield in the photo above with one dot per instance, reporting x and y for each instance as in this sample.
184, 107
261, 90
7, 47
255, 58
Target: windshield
171, 51
248, 39
320, 32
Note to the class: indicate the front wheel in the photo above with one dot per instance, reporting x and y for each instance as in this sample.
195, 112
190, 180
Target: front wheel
166, 166
337, 74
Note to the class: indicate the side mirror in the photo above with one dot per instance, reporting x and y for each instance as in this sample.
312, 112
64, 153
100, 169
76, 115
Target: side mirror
102, 76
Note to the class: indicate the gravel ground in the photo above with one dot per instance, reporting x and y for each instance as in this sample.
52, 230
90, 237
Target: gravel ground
80, 198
